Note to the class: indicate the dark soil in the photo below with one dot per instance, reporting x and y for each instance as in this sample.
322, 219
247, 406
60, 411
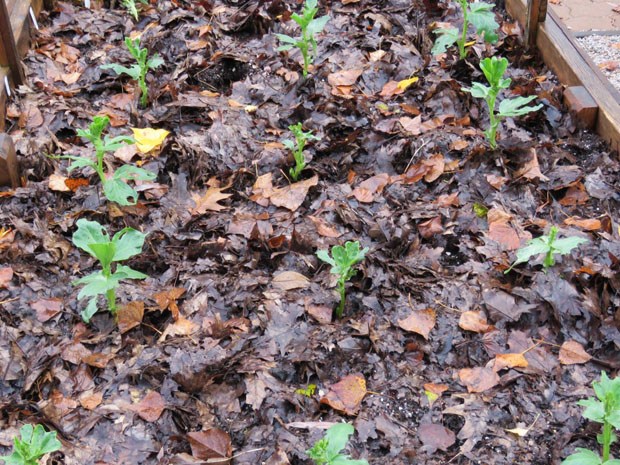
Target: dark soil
399, 173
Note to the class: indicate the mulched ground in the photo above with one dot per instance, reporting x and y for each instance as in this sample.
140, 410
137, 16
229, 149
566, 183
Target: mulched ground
225, 338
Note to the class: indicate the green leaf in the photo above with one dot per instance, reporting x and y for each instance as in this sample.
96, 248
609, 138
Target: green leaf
129, 243
133, 72
117, 190
493, 69
324, 255
566, 245
127, 172
482, 17
317, 25
34, 443
612, 462
96, 284
104, 252
478, 90
287, 39
111, 144
89, 310
446, 37
87, 233
124, 272
517, 106
337, 437
155, 61
595, 410
583, 457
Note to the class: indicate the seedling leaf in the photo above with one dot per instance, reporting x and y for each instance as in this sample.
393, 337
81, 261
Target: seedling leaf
33, 444
445, 38
583, 457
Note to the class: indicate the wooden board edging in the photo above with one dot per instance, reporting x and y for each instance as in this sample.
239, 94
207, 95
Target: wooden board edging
574, 67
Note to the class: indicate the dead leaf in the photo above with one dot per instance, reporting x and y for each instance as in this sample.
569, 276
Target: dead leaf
503, 361
210, 444
209, 201
478, 379
435, 437
181, 327
365, 192
167, 300
347, 394
430, 227
324, 228
531, 169
130, 315
90, 400
151, 407
475, 321
321, 313
6, 275
436, 165
610, 65
585, 224
573, 353
288, 280
97, 360
47, 308
346, 77
291, 197
420, 322
56, 182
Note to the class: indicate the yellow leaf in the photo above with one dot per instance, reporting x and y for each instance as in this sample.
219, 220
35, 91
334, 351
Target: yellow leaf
402, 85
148, 138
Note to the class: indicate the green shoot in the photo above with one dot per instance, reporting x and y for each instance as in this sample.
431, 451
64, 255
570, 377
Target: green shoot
297, 148
549, 245
115, 187
92, 238
343, 260
494, 69
138, 70
309, 27
480, 15
605, 410
327, 450
307, 391
132, 8
35, 442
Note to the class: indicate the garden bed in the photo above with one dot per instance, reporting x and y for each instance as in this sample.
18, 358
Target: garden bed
236, 315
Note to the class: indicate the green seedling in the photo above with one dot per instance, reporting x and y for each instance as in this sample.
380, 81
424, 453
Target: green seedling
326, 451
494, 69
138, 70
310, 26
92, 238
605, 409
307, 391
132, 7
115, 187
343, 260
297, 148
549, 245
34, 443
480, 15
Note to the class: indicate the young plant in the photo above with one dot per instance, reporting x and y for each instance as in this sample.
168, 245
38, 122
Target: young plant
549, 245
35, 442
132, 7
297, 148
326, 451
115, 187
309, 27
138, 70
480, 15
606, 410
494, 69
343, 260
92, 238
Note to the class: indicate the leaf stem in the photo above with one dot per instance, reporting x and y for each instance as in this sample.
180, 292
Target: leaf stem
342, 291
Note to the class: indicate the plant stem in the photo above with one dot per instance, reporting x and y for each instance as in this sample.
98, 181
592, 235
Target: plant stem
493, 121
110, 293
606, 440
341, 289
463, 39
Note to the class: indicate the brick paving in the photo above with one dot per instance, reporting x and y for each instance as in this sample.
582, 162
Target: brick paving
588, 15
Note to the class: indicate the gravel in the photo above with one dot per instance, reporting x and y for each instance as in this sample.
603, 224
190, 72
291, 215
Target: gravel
605, 52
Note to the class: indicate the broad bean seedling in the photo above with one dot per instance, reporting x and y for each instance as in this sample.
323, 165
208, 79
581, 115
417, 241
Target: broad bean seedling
326, 451
33, 444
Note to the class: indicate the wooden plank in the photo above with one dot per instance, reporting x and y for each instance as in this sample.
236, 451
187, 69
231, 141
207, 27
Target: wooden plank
574, 67
4, 72
536, 14
9, 168
8, 44
20, 23
581, 105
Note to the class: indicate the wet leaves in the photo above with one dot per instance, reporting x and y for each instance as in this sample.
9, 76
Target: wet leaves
210, 444
420, 322
478, 379
572, 353
347, 394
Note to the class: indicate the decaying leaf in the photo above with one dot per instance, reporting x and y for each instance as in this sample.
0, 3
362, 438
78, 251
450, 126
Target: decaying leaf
420, 322
475, 321
209, 201
503, 361
148, 139
210, 444
347, 394
130, 315
150, 407
435, 436
288, 280
573, 353
478, 379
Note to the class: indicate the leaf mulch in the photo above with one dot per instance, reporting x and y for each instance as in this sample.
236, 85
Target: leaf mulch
206, 357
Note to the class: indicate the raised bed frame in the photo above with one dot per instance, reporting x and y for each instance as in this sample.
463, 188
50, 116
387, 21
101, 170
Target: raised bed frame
569, 62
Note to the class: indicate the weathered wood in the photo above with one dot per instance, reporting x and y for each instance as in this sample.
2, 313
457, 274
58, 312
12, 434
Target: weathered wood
574, 67
9, 170
581, 104
9, 53
536, 14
